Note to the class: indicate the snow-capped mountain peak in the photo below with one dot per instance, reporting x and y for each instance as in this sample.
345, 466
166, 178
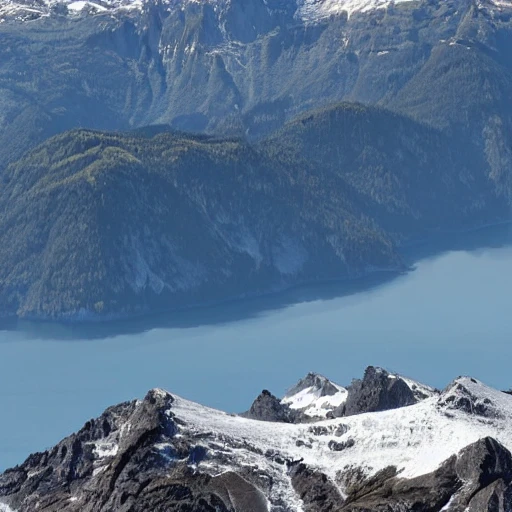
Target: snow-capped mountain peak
315, 10
416, 440
308, 11
436, 455
471, 396
315, 396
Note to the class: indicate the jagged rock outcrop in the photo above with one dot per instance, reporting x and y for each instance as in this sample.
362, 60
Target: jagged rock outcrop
462, 395
315, 397
377, 391
477, 479
316, 491
116, 463
268, 407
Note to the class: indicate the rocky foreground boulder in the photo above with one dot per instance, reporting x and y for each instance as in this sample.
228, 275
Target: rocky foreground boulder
164, 453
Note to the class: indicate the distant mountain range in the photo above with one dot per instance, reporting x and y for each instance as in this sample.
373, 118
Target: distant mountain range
384, 443
303, 10
242, 146
237, 67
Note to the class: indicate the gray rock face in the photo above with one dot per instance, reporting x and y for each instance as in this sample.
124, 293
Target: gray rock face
377, 391
458, 396
238, 494
387, 492
111, 464
267, 407
485, 467
317, 492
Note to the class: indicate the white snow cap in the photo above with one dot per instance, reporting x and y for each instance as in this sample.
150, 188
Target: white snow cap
21, 10
314, 10
502, 3
316, 396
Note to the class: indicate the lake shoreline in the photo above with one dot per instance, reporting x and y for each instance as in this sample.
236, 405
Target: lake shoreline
412, 252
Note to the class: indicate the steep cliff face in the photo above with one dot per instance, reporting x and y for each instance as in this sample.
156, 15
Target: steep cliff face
165, 453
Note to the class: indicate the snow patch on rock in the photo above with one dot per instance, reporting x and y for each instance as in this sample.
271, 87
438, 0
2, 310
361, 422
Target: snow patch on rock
307, 10
6, 508
106, 449
473, 397
314, 10
28, 10
314, 405
502, 3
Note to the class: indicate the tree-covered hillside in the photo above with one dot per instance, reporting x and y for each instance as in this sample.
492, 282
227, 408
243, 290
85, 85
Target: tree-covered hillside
106, 222
101, 223
412, 178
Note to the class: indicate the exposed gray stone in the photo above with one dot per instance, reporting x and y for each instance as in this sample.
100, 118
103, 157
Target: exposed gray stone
267, 407
377, 391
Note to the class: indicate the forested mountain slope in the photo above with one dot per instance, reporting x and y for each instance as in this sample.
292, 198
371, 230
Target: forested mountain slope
99, 223
412, 177
106, 223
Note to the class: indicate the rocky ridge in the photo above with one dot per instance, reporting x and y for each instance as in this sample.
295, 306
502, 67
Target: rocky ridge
305, 10
166, 453
315, 397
